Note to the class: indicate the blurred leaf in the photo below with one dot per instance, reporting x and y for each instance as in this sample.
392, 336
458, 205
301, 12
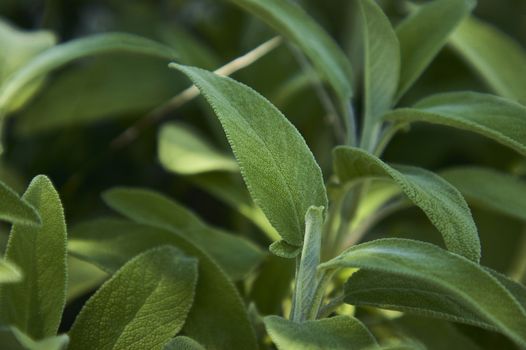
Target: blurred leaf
9, 273
293, 23
63, 54
270, 152
141, 306
494, 117
15, 209
382, 67
35, 304
236, 255
462, 280
13, 339
340, 332
218, 318
489, 188
496, 57
183, 343
184, 152
442, 203
83, 277
423, 34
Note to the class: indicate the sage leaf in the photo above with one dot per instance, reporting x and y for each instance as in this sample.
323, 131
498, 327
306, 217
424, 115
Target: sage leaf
13, 339
9, 273
496, 57
423, 33
293, 23
442, 203
142, 306
284, 250
494, 117
453, 275
35, 304
236, 255
382, 66
218, 318
83, 277
183, 152
307, 277
506, 194
16, 210
279, 169
340, 332
183, 343
62, 54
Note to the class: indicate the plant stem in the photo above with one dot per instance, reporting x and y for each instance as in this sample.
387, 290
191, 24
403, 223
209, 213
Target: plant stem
321, 288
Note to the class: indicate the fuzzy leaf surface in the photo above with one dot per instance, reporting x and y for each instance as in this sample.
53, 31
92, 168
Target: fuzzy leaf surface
14, 209
183, 343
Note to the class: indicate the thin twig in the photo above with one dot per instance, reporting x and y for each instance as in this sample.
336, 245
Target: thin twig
131, 133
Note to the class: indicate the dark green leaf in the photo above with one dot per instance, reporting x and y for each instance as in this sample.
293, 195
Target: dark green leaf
278, 167
16, 210
142, 306
442, 203
35, 305
462, 280
183, 343
340, 332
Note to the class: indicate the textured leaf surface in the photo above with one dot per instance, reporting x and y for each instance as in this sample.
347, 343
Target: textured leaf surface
218, 318
464, 281
35, 305
278, 167
442, 203
62, 54
284, 250
237, 256
492, 189
184, 152
14, 209
494, 117
340, 332
294, 24
424, 33
142, 306
183, 343
9, 273
497, 58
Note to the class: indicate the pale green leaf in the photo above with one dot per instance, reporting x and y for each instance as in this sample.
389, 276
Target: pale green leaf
494, 117
16, 210
490, 188
218, 318
293, 23
278, 167
63, 54
236, 255
284, 250
141, 306
340, 332
184, 152
382, 66
442, 203
496, 57
12, 338
462, 280
9, 273
307, 276
35, 305
424, 33
183, 343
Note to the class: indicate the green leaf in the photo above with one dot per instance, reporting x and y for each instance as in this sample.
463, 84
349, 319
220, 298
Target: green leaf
183, 343
236, 255
489, 188
293, 23
340, 332
496, 57
462, 280
218, 318
13, 339
63, 54
83, 277
278, 167
16, 210
442, 203
424, 33
382, 66
9, 273
494, 117
35, 305
307, 277
184, 152
284, 250
142, 306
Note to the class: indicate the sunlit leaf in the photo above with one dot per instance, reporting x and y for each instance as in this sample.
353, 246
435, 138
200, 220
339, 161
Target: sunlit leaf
9, 273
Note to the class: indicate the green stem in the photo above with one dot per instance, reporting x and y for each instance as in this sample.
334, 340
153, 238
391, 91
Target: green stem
321, 288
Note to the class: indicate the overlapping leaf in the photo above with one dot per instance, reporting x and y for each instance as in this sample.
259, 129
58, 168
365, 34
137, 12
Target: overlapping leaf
9, 273
13, 339
183, 343
16, 210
